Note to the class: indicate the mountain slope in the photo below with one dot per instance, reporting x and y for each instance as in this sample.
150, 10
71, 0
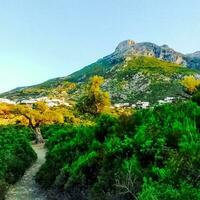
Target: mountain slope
134, 71
146, 79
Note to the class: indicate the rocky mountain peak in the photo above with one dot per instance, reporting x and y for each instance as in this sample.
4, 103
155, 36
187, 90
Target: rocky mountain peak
125, 45
130, 48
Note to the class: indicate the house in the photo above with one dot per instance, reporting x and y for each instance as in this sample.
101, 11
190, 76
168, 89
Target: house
8, 101
28, 102
49, 102
121, 105
166, 100
143, 104
133, 106
169, 99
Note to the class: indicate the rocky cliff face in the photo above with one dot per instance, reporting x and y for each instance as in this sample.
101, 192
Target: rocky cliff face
164, 52
193, 60
124, 46
128, 48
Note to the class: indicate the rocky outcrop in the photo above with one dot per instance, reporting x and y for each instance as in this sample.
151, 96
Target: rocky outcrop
129, 48
124, 46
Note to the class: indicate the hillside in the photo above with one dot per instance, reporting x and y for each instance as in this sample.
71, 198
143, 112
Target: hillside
133, 72
145, 79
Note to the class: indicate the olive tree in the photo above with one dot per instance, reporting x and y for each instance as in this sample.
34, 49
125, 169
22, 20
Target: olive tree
36, 115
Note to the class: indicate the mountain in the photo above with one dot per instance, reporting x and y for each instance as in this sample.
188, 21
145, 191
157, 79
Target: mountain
129, 47
194, 55
133, 72
193, 60
164, 52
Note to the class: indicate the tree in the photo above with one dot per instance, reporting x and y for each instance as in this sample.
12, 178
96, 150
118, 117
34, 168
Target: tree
6, 115
190, 83
36, 115
5, 110
94, 100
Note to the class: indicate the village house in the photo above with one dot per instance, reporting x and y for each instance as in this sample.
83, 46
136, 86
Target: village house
142, 104
121, 105
166, 100
8, 101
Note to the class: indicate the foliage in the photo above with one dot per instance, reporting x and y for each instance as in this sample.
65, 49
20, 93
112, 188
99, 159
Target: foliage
16, 155
36, 115
94, 100
190, 83
55, 88
146, 79
6, 115
127, 79
99, 68
150, 65
196, 96
151, 154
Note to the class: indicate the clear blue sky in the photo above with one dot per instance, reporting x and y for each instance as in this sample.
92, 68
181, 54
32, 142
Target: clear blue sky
42, 39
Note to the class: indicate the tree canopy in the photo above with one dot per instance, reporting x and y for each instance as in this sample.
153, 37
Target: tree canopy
94, 100
36, 115
190, 83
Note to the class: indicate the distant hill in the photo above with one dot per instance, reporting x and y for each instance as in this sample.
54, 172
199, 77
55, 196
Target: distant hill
134, 71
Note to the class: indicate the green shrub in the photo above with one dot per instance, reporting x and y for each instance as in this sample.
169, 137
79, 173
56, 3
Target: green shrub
16, 155
153, 154
152, 190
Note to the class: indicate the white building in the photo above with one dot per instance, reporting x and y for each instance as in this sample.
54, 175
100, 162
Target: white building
49, 102
133, 106
121, 105
8, 101
143, 104
169, 99
28, 102
166, 100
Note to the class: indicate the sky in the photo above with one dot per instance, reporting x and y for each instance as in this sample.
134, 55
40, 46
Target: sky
44, 39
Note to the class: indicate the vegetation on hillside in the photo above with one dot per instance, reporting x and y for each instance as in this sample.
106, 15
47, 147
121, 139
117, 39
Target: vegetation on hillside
190, 83
146, 79
150, 65
56, 88
100, 68
151, 154
127, 79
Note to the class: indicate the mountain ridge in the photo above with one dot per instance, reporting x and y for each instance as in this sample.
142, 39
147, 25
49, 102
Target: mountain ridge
143, 62
163, 52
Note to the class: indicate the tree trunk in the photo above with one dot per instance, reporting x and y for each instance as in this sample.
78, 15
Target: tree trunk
38, 135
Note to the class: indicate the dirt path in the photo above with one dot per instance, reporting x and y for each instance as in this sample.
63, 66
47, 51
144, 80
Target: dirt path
27, 188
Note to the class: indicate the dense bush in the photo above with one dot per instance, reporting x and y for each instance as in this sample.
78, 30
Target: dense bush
150, 155
16, 155
196, 97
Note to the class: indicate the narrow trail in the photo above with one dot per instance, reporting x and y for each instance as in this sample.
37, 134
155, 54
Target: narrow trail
26, 188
